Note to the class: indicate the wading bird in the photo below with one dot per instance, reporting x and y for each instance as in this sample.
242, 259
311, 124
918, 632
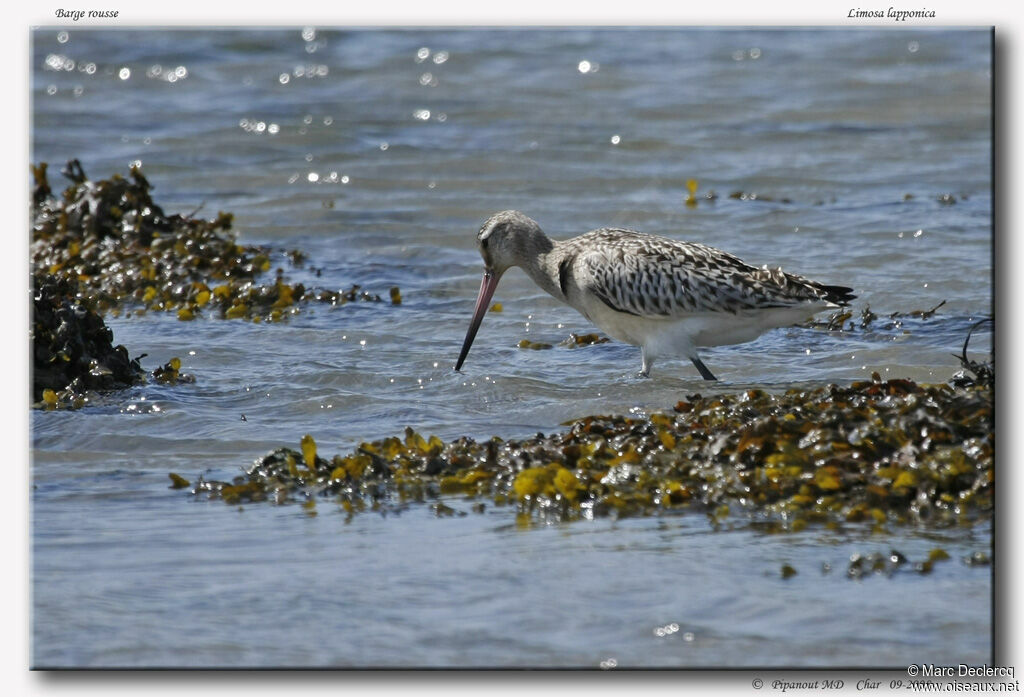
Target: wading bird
667, 297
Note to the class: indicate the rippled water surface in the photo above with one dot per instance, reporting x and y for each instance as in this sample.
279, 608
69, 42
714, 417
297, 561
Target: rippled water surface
379, 154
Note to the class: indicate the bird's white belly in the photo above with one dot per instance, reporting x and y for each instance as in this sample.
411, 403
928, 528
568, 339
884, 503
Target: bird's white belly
722, 329
682, 335
624, 327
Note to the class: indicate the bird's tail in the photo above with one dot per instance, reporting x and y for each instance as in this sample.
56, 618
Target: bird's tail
840, 295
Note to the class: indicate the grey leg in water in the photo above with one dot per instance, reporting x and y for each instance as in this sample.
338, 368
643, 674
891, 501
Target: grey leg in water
704, 372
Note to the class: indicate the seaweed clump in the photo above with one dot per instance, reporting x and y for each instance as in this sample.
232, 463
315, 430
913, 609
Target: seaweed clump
879, 564
73, 350
876, 452
122, 248
836, 321
973, 372
577, 340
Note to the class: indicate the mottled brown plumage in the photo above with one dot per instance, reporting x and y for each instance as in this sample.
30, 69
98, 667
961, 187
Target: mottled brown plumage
651, 276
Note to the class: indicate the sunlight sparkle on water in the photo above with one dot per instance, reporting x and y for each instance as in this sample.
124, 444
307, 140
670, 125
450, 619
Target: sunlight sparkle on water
158, 72
666, 630
56, 61
309, 71
257, 126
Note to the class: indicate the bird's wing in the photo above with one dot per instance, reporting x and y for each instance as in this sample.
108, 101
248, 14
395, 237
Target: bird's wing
657, 277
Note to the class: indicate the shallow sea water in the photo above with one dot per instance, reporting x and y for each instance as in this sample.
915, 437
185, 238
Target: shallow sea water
379, 154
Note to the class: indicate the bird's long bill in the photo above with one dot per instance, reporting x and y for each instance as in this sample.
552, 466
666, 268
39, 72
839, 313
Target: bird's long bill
487, 286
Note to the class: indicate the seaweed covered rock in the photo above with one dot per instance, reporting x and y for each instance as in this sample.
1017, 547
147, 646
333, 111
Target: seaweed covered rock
113, 239
122, 248
72, 348
878, 452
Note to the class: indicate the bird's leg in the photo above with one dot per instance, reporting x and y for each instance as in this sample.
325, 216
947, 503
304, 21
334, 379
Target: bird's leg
704, 372
648, 361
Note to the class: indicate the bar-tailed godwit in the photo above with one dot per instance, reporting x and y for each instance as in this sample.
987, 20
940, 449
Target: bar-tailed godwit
665, 296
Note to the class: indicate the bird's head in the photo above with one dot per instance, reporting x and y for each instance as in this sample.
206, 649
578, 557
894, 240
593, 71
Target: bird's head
507, 239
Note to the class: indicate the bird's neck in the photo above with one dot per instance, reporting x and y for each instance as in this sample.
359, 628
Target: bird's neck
541, 265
